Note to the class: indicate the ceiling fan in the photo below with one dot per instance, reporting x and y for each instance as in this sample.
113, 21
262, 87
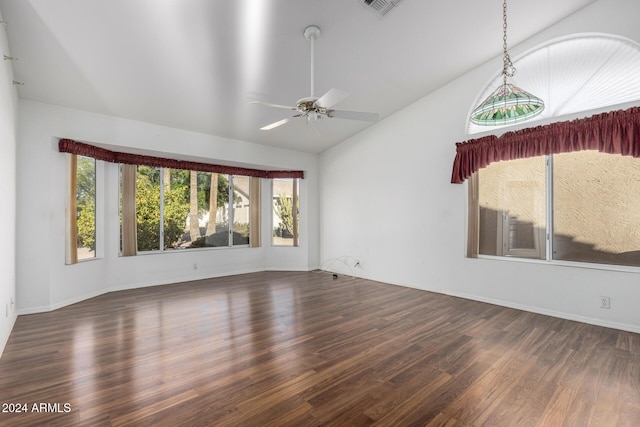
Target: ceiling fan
312, 108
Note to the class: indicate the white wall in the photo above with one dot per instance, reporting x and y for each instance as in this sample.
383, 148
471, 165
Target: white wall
403, 164
8, 108
44, 282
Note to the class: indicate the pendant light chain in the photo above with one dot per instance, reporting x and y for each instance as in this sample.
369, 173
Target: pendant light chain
508, 70
508, 104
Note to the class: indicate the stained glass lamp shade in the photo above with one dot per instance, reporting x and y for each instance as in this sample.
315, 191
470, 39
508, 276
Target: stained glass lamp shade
508, 104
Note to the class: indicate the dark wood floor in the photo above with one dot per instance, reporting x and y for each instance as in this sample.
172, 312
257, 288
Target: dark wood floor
302, 349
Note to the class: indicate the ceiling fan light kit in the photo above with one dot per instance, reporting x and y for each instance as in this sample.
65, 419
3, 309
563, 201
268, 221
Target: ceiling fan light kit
312, 108
508, 104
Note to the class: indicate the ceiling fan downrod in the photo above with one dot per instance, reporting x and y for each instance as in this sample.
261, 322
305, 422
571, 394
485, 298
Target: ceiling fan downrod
311, 33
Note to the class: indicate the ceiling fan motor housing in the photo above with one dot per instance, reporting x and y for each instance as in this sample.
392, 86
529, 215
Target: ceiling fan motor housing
305, 105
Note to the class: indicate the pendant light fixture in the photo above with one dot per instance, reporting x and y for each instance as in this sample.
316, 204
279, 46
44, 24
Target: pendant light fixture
508, 104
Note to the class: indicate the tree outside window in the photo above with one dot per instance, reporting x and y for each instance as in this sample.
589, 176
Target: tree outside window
86, 207
286, 212
196, 209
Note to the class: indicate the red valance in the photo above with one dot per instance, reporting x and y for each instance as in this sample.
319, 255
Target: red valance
616, 132
87, 150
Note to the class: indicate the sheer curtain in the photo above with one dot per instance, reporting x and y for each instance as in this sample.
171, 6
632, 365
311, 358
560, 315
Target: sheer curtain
473, 218
71, 256
254, 207
129, 232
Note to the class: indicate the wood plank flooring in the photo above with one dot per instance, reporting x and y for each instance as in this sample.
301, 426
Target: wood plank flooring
302, 349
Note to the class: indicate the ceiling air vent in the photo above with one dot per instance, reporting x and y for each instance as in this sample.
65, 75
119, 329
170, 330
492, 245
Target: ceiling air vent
381, 7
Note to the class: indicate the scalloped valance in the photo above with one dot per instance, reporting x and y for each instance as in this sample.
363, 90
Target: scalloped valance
98, 153
616, 132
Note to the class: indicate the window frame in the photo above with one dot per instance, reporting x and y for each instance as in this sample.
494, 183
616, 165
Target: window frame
295, 243
473, 185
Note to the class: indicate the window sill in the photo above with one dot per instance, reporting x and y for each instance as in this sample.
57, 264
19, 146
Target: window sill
191, 250
84, 260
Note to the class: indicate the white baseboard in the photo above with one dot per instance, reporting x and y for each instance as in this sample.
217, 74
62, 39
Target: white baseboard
287, 269
546, 312
559, 314
182, 279
5, 339
57, 305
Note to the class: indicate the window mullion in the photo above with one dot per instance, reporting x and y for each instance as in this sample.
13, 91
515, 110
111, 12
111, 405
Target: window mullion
161, 225
549, 206
231, 210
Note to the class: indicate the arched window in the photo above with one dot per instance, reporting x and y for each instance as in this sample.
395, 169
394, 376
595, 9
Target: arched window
581, 72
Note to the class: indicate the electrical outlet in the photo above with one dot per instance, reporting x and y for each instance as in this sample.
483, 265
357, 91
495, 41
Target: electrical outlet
605, 302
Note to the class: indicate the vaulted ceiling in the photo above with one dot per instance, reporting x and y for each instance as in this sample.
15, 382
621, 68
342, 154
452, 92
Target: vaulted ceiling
197, 64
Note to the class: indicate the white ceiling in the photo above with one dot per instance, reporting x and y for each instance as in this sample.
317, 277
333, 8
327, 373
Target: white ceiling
197, 64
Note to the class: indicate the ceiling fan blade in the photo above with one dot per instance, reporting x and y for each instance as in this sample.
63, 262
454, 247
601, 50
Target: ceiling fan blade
276, 124
354, 115
331, 98
269, 104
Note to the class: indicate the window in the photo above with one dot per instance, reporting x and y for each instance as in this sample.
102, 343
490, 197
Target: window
241, 209
581, 206
512, 208
170, 204
589, 71
81, 240
148, 207
86, 207
179, 209
286, 211
596, 208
